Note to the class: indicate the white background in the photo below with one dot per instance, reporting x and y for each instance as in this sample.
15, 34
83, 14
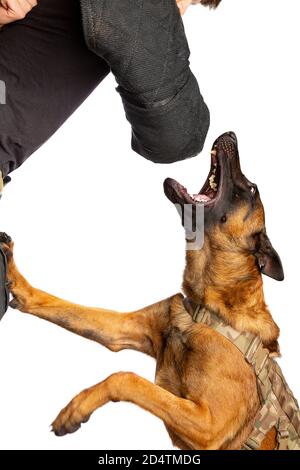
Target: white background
60, 205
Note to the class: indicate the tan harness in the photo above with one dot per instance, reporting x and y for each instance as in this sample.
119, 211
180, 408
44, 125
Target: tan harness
279, 408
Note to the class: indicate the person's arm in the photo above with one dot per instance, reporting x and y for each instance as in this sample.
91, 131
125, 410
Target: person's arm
13, 10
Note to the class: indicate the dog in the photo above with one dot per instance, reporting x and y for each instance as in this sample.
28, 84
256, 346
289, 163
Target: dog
204, 391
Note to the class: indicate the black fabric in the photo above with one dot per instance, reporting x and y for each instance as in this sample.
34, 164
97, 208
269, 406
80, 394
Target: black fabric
144, 43
48, 72
172, 132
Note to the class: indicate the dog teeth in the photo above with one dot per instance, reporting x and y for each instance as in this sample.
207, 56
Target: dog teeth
212, 183
202, 198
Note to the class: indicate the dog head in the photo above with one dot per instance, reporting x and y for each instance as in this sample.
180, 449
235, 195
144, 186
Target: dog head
234, 221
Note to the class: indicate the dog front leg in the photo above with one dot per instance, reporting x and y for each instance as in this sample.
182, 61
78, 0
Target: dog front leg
191, 421
116, 331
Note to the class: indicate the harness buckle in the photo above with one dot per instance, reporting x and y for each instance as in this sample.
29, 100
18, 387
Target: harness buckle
257, 355
282, 433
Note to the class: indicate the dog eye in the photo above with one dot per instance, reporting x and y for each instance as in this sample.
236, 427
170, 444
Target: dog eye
253, 190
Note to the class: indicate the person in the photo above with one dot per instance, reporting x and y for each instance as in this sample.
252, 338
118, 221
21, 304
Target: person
54, 53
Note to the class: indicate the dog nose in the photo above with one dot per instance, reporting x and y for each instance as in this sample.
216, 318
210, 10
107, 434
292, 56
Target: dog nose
232, 136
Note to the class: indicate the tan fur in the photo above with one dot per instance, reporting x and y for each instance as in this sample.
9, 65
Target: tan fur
204, 392
228, 275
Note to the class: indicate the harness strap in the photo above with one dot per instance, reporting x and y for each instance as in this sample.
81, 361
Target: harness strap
286, 398
247, 343
251, 444
254, 353
283, 433
279, 408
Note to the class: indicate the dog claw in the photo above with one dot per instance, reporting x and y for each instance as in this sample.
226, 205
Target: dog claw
65, 429
59, 432
68, 421
15, 304
4, 238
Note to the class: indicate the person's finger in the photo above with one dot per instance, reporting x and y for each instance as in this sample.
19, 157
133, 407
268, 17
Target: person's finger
1, 184
10, 5
10, 11
183, 5
29, 3
13, 10
25, 6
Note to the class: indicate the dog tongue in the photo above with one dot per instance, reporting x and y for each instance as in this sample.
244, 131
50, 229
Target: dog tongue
201, 198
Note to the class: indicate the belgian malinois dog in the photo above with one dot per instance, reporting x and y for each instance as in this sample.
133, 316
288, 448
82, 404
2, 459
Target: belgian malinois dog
204, 391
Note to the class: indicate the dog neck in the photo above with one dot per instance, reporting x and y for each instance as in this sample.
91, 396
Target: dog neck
231, 286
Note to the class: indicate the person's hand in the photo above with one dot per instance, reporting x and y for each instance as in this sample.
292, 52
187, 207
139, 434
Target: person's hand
13, 10
183, 5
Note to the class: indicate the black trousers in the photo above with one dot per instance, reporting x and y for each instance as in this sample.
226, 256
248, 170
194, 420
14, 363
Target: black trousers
48, 71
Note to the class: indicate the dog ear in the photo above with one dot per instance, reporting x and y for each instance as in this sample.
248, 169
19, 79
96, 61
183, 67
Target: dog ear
268, 259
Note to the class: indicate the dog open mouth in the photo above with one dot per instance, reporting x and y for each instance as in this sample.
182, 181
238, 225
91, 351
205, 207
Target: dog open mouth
211, 190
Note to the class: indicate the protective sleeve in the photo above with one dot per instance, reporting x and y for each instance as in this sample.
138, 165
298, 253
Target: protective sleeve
145, 45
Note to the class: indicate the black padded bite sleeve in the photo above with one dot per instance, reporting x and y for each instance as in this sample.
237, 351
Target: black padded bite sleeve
145, 45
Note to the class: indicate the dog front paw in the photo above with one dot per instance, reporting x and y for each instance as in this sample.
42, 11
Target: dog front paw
6, 245
4, 238
70, 418
16, 283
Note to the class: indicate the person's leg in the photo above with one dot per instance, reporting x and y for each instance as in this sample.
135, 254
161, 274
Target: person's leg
46, 71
